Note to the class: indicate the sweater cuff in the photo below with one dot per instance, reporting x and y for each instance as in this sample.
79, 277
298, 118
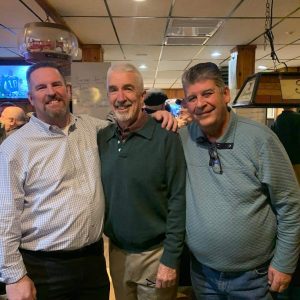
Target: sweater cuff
169, 259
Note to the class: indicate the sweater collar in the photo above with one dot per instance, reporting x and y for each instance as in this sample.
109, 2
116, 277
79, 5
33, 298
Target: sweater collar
146, 131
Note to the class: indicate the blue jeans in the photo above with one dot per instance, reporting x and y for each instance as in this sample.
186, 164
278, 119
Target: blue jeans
212, 285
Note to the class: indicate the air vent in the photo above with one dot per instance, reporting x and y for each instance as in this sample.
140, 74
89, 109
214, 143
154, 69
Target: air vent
192, 31
185, 40
193, 27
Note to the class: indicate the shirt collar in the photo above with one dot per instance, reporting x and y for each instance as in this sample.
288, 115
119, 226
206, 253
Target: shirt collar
138, 124
146, 130
197, 134
50, 128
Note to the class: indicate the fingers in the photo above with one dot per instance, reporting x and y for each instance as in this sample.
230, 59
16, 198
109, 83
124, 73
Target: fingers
278, 281
170, 124
165, 123
270, 277
278, 286
175, 125
166, 277
164, 283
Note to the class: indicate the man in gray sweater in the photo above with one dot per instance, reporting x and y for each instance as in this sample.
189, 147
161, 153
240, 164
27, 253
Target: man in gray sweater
243, 200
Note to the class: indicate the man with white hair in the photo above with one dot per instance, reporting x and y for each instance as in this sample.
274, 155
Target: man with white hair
143, 175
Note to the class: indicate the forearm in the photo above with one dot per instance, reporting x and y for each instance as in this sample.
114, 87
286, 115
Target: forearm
277, 174
11, 197
175, 227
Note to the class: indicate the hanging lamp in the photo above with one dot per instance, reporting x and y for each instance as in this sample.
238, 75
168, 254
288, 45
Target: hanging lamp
42, 41
270, 89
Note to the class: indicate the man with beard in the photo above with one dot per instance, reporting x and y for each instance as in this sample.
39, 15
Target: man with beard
143, 175
52, 202
243, 200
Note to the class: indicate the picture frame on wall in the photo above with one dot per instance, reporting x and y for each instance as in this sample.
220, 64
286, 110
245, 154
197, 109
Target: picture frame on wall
271, 113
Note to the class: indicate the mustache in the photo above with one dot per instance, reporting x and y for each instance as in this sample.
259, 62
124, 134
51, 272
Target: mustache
53, 97
124, 104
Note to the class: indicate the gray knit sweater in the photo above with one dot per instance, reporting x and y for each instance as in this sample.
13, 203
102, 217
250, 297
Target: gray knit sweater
249, 214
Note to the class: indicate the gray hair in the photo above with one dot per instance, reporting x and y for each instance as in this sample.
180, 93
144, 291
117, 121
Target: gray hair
126, 67
203, 71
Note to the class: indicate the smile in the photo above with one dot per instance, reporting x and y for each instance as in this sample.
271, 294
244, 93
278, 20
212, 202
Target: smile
53, 101
203, 113
122, 106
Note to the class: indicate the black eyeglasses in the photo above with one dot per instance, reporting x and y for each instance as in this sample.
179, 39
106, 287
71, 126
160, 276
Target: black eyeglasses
150, 283
214, 160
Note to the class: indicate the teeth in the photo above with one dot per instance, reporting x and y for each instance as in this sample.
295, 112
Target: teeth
53, 101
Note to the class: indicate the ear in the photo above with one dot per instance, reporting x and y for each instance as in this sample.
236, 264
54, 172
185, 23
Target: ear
226, 94
13, 121
143, 96
30, 99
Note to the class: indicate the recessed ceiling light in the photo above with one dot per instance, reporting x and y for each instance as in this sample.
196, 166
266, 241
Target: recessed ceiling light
216, 54
143, 67
139, 0
262, 67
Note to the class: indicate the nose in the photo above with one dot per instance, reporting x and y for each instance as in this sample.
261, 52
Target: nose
50, 90
200, 101
120, 96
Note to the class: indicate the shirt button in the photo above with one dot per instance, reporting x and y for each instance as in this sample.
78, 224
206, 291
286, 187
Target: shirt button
118, 142
119, 149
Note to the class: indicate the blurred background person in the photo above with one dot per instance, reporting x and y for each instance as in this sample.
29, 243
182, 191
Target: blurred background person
154, 100
175, 107
11, 119
3, 105
287, 128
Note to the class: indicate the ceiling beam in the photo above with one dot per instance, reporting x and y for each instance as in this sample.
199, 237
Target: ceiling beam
55, 16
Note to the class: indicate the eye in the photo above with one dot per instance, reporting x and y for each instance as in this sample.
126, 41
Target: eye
191, 98
40, 87
112, 90
129, 88
207, 94
57, 84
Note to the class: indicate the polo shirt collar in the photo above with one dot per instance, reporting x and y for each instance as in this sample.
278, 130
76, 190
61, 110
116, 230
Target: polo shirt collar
197, 134
146, 131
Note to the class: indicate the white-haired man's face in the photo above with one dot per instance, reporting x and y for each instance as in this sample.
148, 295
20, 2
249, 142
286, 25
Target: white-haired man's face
125, 95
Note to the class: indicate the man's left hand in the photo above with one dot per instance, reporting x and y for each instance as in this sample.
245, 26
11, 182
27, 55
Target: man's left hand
278, 281
166, 277
167, 120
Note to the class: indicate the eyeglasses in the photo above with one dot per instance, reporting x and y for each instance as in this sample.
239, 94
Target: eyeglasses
214, 160
150, 283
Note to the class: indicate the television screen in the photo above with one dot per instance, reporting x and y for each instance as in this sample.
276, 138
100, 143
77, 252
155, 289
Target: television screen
13, 84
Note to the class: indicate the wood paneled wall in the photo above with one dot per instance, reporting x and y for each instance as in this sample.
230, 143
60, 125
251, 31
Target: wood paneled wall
174, 93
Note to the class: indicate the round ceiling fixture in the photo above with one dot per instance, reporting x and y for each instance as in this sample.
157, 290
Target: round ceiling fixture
42, 41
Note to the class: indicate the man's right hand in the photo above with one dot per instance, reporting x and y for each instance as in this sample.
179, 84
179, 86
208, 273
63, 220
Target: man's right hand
23, 289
